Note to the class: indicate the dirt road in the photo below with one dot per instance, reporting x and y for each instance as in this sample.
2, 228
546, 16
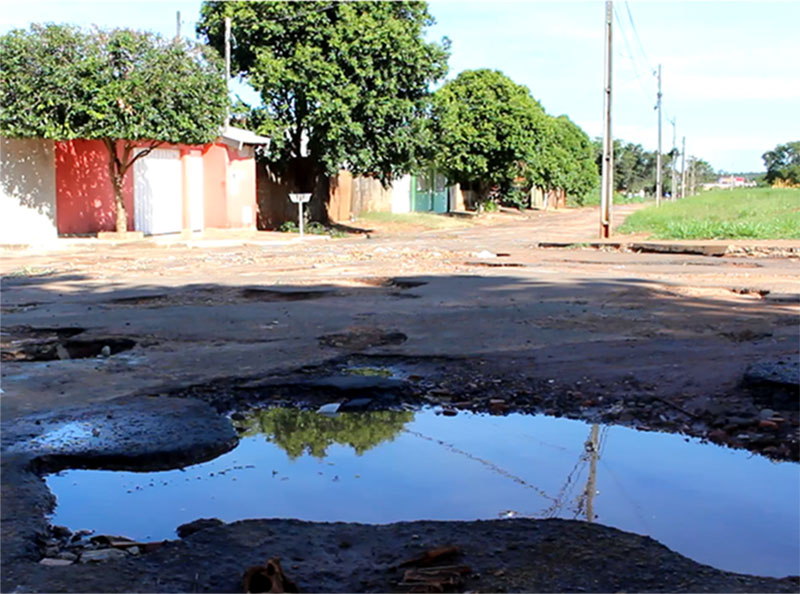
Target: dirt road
656, 341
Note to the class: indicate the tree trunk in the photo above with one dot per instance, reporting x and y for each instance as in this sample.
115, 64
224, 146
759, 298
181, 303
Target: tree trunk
122, 214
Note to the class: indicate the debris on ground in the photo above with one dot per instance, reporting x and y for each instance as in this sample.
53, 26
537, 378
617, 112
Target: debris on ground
268, 578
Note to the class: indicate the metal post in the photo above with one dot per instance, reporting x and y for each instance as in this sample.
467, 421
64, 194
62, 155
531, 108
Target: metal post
300, 217
673, 186
659, 188
227, 66
607, 187
683, 169
178, 25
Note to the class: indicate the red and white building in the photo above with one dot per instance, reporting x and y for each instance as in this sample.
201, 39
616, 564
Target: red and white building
56, 188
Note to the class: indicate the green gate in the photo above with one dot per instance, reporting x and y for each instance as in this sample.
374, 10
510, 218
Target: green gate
429, 192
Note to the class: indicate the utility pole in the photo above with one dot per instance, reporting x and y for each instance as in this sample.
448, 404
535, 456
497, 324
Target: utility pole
659, 187
593, 449
692, 182
607, 187
673, 186
177, 25
227, 66
683, 168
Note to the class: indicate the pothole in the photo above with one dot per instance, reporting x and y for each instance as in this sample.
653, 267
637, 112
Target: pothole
141, 299
362, 338
396, 465
497, 264
275, 295
57, 349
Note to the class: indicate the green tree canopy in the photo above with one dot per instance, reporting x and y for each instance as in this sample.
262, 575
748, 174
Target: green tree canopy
62, 83
351, 78
783, 164
571, 162
490, 131
304, 431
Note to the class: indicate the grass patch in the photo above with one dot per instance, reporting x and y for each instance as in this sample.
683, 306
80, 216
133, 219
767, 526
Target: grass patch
414, 219
746, 213
593, 199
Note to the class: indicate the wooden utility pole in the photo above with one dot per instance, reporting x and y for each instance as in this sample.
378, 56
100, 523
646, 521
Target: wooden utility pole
673, 186
227, 65
692, 181
659, 182
607, 187
683, 168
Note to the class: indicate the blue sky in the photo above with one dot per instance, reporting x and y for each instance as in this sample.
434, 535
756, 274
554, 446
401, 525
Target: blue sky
731, 70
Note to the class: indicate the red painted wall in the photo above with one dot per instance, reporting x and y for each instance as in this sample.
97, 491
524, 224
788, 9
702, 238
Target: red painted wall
84, 194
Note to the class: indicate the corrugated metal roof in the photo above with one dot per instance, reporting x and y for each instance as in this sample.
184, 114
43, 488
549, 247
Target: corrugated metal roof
241, 136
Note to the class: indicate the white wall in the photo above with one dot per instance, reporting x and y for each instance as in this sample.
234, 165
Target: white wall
27, 191
401, 194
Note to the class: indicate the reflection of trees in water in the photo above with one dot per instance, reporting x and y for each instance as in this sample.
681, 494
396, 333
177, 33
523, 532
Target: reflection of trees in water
301, 431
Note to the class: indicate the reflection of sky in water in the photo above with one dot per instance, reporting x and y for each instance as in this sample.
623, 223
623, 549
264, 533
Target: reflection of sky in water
722, 507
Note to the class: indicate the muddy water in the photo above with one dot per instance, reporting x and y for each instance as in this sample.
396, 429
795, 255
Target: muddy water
725, 508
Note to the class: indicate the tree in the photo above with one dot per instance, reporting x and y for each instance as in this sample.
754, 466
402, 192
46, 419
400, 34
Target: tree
123, 87
299, 432
489, 131
572, 165
350, 79
783, 164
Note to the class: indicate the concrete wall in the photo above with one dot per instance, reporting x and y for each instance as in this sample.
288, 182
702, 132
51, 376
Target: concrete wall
241, 195
84, 192
401, 194
215, 185
27, 191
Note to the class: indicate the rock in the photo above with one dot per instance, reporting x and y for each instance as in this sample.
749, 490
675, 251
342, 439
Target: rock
61, 532
718, 435
768, 424
356, 404
105, 351
55, 562
329, 410
189, 528
101, 555
766, 413
774, 383
133, 550
67, 556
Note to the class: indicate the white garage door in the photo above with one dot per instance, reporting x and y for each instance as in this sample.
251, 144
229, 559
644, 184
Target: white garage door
158, 192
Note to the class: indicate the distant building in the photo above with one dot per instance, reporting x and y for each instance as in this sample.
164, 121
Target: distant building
728, 182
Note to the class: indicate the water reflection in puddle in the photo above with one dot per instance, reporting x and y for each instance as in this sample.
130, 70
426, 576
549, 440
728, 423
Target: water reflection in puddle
721, 507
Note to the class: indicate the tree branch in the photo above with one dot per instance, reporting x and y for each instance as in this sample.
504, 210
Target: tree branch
146, 151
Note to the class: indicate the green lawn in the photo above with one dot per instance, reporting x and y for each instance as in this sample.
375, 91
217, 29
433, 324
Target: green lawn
746, 213
593, 199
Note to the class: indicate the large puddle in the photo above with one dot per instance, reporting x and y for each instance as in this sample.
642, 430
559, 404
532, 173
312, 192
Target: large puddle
726, 508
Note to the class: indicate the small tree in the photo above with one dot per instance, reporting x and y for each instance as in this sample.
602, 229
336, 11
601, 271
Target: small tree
123, 87
489, 131
783, 164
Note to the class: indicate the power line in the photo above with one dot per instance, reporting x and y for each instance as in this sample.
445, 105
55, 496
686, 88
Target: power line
636, 34
630, 55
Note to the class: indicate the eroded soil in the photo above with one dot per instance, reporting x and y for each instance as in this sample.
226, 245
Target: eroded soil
472, 318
